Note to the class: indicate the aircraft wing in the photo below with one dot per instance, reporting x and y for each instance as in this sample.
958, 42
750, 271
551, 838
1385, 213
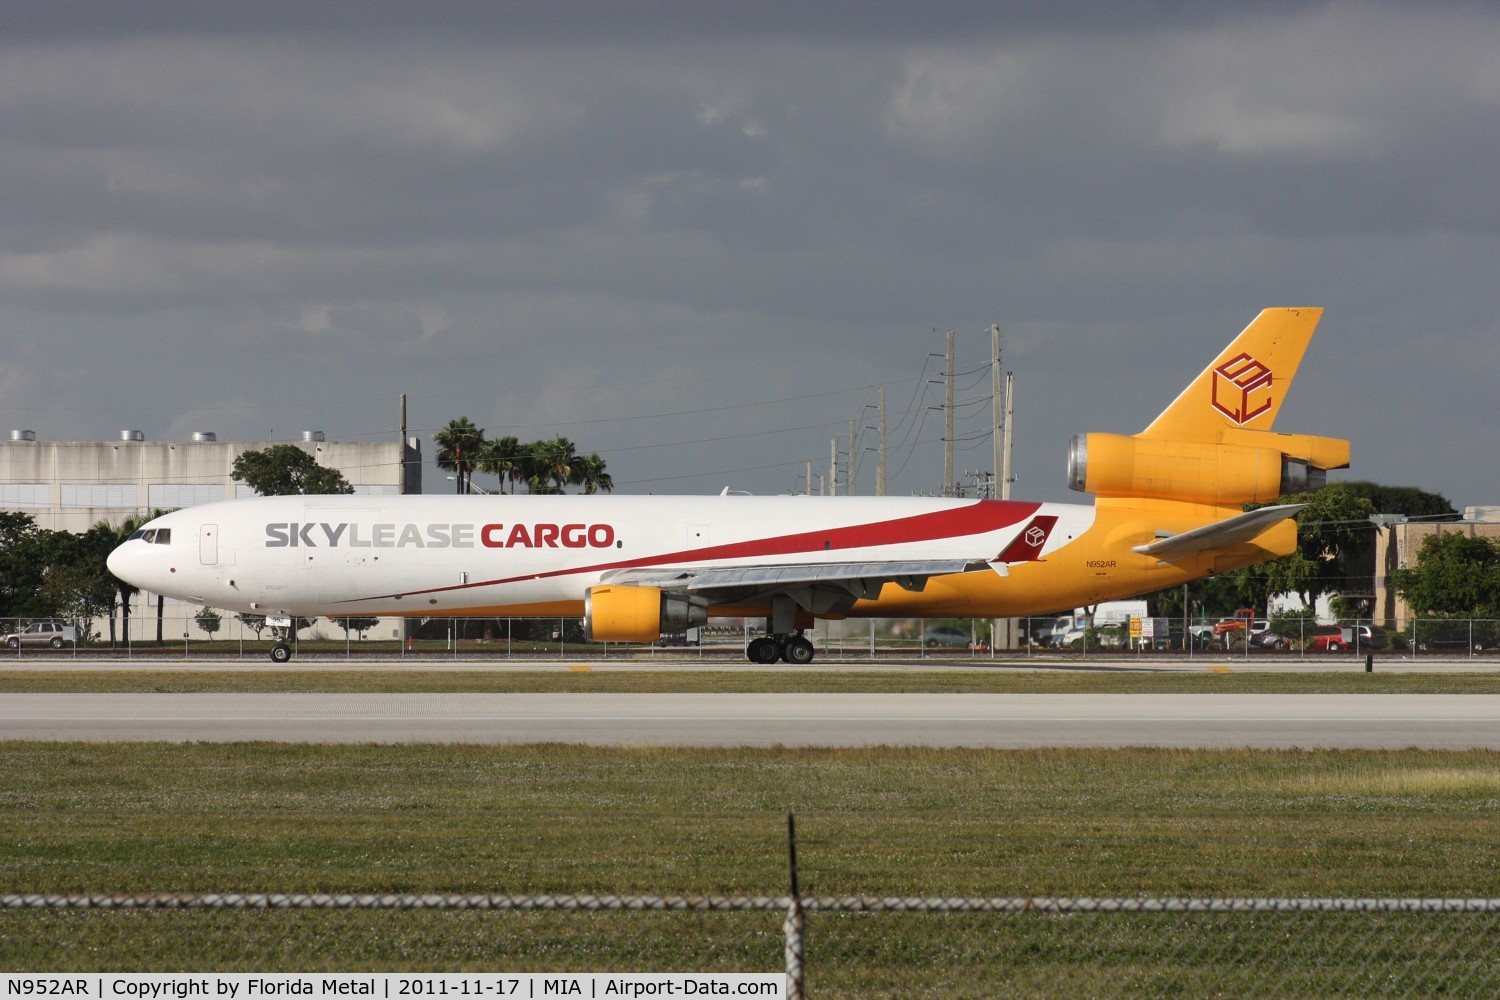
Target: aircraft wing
1220, 534
726, 584
863, 579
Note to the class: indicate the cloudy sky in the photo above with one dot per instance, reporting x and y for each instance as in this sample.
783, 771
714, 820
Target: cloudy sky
696, 237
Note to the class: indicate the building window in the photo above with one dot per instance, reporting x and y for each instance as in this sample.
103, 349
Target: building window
118, 496
24, 495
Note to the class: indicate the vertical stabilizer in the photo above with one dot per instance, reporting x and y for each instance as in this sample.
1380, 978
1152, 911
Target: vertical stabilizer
1245, 385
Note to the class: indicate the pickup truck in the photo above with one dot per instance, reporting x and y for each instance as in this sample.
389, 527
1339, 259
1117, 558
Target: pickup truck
1238, 622
43, 633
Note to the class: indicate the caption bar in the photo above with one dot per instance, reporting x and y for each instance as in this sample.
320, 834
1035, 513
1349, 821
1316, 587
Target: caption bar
388, 985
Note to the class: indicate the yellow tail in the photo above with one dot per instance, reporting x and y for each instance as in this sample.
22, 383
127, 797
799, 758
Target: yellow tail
1243, 387
1214, 444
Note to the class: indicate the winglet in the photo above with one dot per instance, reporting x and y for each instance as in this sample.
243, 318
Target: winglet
1027, 545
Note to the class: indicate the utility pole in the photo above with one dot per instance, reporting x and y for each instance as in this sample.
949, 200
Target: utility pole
833, 467
853, 455
1010, 421
948, 490
880, 460
809, 479
401, 475
996, 404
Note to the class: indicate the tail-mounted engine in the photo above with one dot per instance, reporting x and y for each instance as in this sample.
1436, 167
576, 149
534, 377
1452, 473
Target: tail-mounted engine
1247, 467
615, 613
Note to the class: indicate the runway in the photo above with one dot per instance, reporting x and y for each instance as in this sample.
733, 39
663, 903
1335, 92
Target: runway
1267, 721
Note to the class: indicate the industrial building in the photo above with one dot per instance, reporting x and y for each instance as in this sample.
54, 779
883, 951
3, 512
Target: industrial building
1399, 545
73, 485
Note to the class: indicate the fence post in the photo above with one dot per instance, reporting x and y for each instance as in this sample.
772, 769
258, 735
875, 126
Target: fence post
795, 926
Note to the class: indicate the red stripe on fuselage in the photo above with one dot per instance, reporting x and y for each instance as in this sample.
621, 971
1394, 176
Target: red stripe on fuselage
977, 518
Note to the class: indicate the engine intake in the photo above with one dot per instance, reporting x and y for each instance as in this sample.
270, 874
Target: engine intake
617, 613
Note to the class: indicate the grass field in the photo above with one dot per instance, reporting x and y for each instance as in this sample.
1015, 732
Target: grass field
133, 818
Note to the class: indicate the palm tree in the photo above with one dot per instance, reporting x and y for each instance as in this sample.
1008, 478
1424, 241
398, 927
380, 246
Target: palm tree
554, 462
588, 472
114, 535
501, 457
458, 446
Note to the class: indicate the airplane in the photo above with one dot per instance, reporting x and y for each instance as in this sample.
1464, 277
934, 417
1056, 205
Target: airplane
1169, 508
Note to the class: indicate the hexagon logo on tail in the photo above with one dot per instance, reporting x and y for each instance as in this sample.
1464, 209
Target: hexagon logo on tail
1242, 388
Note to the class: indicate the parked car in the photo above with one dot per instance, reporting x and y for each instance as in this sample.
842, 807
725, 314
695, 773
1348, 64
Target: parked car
1439, 634
1366, 637
1202, 638
43, 633
1111, 635
1234, 638
945, 635
1326, 639
1270, 640
1235, 624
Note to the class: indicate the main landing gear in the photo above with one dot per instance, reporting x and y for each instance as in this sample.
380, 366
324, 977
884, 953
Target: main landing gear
792, 648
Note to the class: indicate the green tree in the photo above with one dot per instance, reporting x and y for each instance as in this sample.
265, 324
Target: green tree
459, 446
502, 458
253, 622
554, 460
285, 470
209, 620
359, 626
589, 472
23, 566
1332, 530
1455, 575
77, 582
1405, 500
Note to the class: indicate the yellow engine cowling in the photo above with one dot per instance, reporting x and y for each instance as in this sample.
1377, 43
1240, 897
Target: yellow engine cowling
616, 613
1257, 469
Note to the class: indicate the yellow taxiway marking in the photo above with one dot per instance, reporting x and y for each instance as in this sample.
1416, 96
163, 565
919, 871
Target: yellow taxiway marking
581, 667
1221, 669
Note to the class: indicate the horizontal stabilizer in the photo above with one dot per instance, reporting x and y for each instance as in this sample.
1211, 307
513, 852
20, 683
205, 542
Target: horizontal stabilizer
1220, 534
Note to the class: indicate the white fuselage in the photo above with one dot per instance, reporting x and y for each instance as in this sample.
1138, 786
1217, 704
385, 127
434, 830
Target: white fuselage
456, 555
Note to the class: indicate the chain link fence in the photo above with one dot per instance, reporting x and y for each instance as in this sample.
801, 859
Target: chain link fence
830, 946
188, 632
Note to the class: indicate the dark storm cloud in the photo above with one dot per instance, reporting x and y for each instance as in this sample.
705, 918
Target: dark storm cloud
549, 215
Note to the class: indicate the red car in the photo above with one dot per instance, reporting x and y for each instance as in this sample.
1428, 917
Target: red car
1326, 639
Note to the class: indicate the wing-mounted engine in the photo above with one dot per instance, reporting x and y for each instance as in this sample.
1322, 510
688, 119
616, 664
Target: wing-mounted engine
1244, 466
621, 613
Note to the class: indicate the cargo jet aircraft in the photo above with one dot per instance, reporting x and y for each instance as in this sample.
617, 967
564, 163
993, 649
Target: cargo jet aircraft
1168, 509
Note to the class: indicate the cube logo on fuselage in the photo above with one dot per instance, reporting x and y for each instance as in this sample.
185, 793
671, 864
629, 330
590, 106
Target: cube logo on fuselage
382, 535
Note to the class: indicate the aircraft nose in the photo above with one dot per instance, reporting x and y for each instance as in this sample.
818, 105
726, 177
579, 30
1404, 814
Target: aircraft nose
122, 565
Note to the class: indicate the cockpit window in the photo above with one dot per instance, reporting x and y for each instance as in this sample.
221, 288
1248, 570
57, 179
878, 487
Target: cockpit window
136, 534
154, 536
163, 536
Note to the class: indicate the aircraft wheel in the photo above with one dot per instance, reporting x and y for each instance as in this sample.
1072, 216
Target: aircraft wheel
762, 650
281, 652
798, 650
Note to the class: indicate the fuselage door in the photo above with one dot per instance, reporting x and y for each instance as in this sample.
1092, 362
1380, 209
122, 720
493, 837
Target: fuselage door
208, 544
